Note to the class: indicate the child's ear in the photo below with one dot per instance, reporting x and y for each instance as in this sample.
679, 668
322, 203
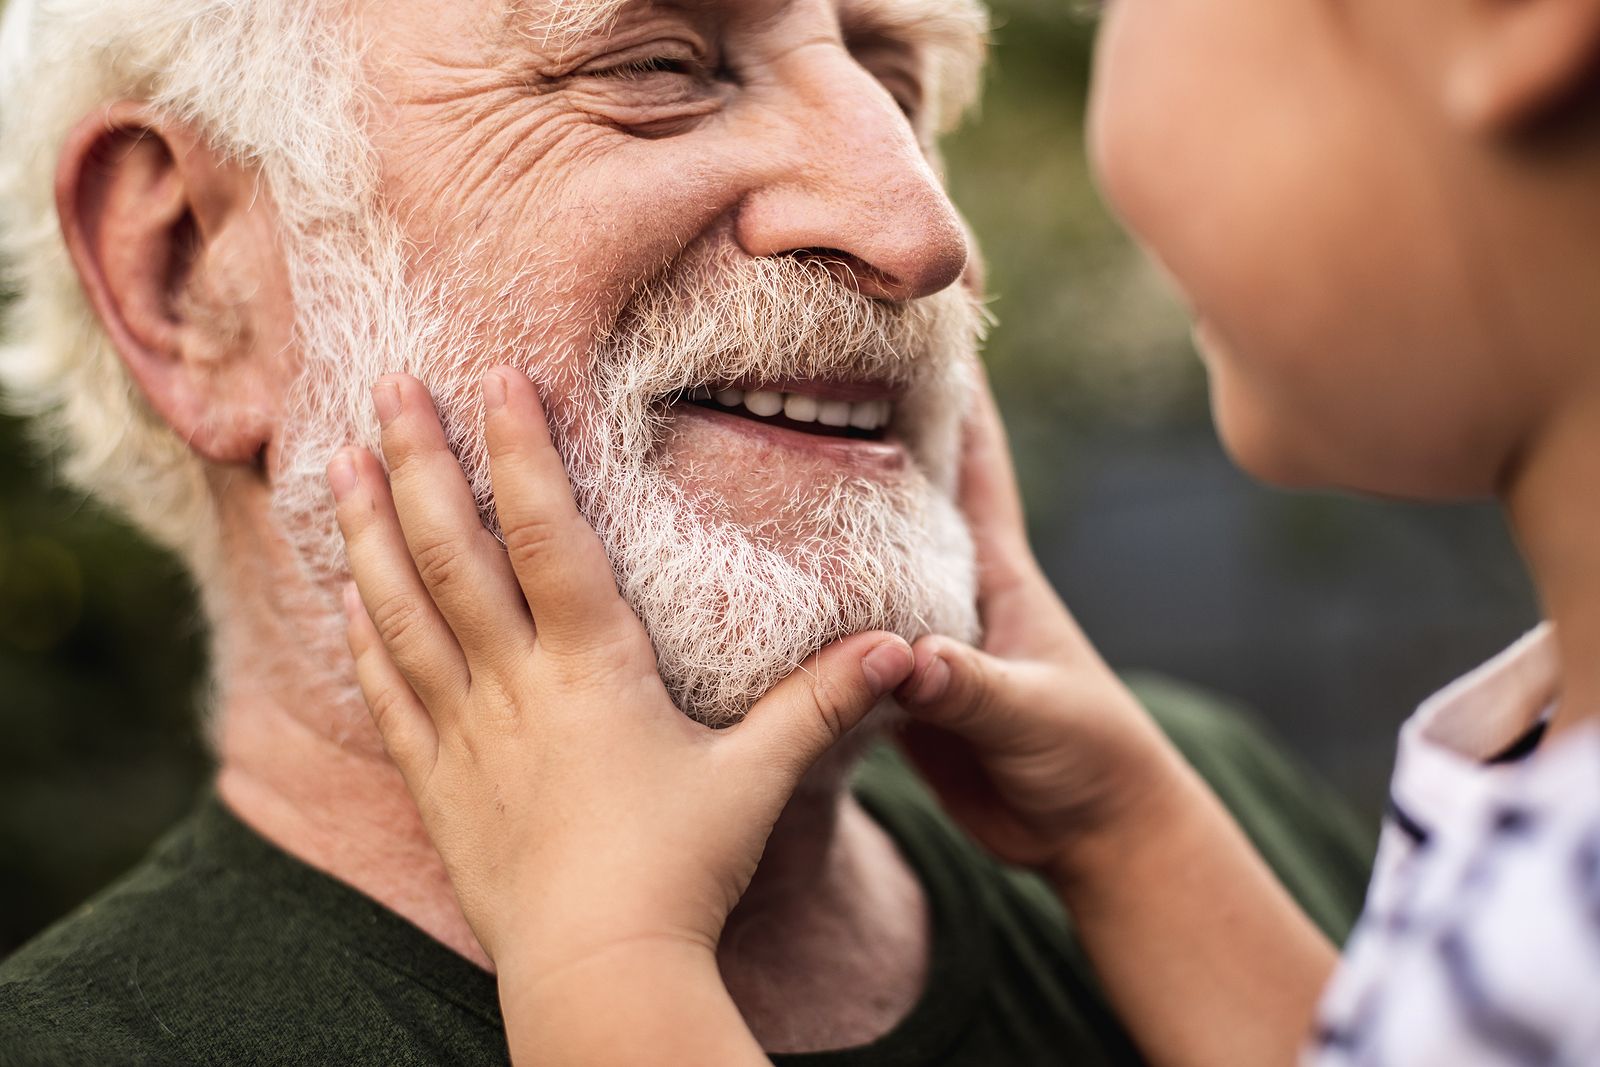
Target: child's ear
1517, 60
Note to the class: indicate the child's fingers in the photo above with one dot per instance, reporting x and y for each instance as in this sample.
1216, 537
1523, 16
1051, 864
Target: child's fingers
559, 562
404, 615
460, 563
402, 720
809, 711
958, 688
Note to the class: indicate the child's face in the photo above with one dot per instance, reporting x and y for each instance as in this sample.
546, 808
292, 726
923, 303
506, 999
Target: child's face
1291, 164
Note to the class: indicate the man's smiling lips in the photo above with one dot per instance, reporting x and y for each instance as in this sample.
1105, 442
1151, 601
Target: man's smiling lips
844, 423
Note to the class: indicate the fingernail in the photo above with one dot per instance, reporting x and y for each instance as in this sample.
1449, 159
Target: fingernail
494, 391
352, 599
386, 400
935, 682
342, 477
885, 666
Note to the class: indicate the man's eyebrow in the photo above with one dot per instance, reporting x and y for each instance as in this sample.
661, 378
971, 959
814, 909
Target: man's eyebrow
560, 23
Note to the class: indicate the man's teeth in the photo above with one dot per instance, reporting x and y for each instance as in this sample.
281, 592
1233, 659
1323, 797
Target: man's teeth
834, 413
764, 402
799, 407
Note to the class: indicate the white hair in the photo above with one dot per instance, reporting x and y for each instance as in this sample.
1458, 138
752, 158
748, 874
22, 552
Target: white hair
269, 83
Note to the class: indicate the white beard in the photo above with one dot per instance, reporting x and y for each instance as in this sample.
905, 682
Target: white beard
731, 608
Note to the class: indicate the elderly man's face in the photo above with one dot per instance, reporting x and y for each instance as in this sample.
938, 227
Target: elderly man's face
711, 232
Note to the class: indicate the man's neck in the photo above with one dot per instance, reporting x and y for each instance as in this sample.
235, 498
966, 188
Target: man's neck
827, 950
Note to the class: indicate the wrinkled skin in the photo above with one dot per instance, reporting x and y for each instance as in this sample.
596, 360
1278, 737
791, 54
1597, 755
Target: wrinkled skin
772, 138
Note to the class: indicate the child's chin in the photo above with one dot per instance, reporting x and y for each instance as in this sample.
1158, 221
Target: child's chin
1257, 443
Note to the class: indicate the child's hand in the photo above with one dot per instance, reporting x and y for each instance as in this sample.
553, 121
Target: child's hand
1032, 743
577, 811
1041, 752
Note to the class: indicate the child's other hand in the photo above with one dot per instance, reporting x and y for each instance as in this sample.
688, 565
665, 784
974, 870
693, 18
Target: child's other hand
1032, 742
1041, 752
576, 809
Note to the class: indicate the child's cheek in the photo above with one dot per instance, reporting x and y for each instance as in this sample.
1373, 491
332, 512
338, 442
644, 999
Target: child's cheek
1219, 165
1171, 143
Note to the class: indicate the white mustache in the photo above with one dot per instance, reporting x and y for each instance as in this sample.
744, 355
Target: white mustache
717, 320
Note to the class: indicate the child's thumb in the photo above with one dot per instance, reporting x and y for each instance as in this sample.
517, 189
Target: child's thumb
957, 688
825, 698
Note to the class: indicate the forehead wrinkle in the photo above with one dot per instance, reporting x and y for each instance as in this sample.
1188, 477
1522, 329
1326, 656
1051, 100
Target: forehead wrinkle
563, 22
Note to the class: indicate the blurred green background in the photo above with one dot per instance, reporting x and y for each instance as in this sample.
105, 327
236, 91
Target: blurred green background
1328, 616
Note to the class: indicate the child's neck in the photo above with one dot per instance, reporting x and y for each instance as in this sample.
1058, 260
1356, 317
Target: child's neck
1553, 502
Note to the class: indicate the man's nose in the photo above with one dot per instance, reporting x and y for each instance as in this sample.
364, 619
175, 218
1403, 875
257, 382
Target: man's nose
856, 188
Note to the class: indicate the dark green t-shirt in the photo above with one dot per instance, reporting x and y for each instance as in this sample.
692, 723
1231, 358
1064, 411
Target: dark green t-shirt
222, 949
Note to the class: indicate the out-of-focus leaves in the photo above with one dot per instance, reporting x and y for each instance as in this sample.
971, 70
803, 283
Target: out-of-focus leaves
41, 593
99, 662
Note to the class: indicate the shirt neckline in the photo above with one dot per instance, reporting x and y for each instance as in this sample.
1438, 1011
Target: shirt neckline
960, 953
341, 912
960, 943
1457, 750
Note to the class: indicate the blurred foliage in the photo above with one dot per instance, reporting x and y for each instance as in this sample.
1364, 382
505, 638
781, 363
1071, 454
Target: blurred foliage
1155, 541
99, 660
1090, 340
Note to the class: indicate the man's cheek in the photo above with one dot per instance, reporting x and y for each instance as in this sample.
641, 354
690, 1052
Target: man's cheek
460, 175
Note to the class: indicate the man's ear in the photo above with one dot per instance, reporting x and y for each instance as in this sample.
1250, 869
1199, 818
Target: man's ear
1517, 61
177, 259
